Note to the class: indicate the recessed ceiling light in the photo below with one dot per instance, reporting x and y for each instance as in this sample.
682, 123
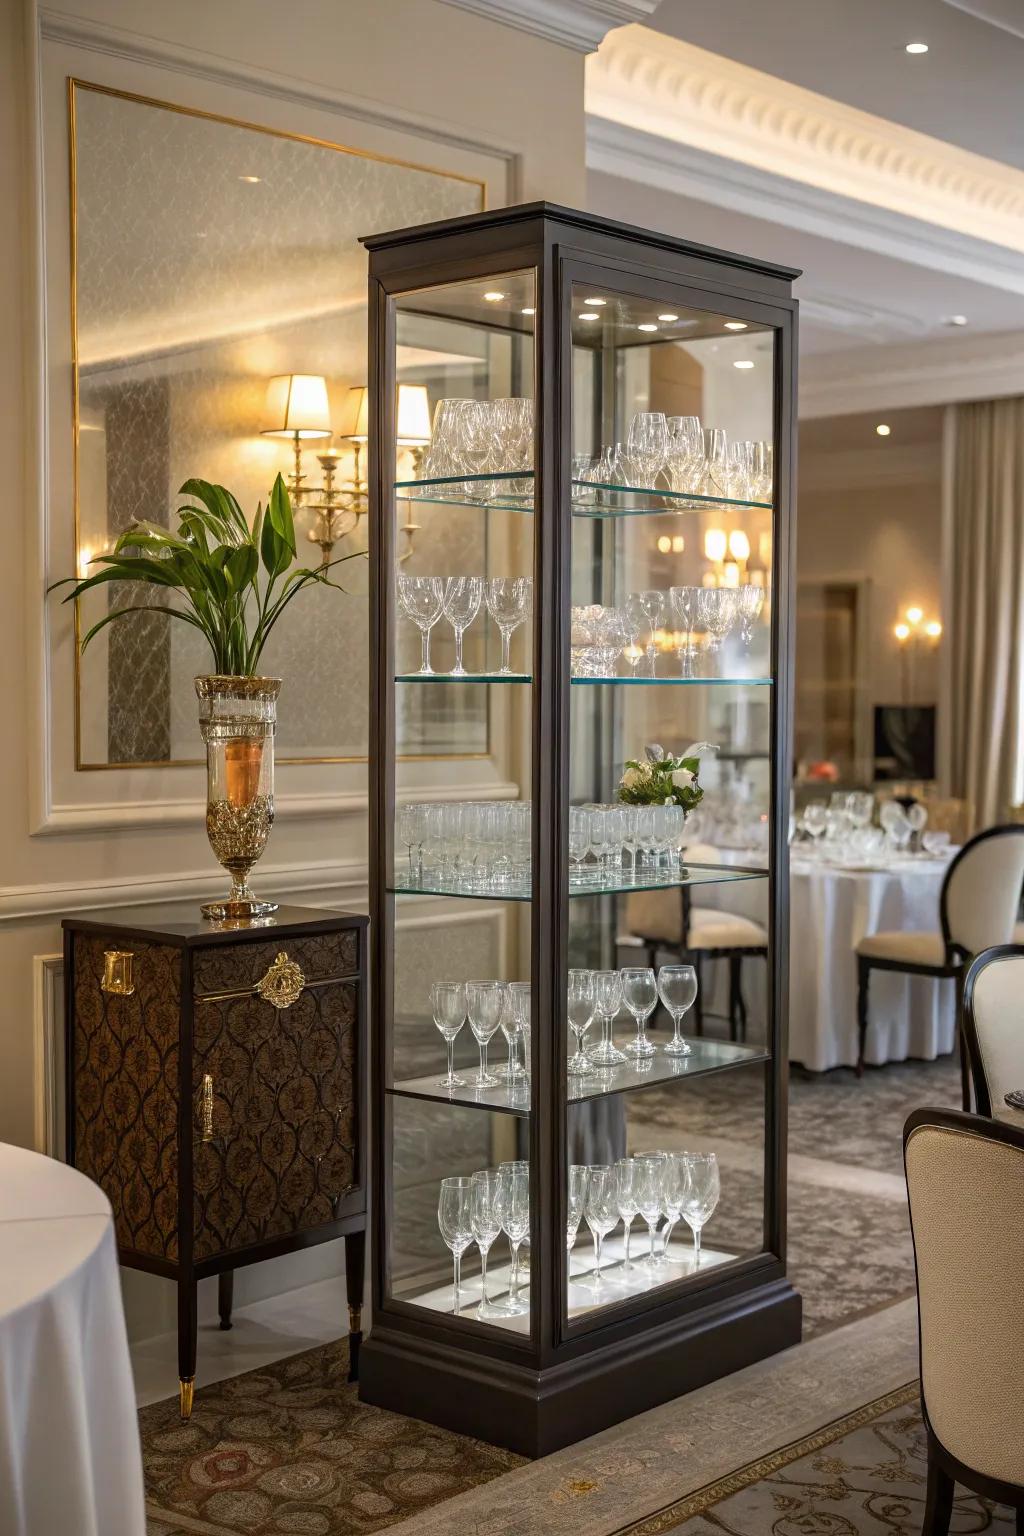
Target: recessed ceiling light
668, 318
252, 180
528, 311
735, 325
955, 320
882, 429
647, 327
588, 316
596, 302
743, 362
917, 48
493, 296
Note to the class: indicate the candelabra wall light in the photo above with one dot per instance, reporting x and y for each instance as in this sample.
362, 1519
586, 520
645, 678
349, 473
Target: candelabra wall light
731, 560
916, 636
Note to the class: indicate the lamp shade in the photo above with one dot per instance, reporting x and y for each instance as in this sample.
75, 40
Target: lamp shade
355, 415
296, 405
413, 424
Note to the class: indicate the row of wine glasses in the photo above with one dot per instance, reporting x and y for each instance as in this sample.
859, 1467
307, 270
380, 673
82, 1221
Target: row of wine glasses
842, 831
478, 1209
480, 437
689, 457
426, 599
600, 635
601, 995
601, 836
487, 1005
656, 1186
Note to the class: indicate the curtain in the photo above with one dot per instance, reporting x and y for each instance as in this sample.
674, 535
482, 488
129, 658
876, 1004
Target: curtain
986, 585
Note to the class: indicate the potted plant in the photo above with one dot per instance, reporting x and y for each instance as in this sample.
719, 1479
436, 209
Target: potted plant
660, 778
234, 585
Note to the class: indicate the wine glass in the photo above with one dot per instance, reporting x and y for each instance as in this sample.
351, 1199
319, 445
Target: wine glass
514, 1214
640, 995
673, 1187
626, 1199
684, 601
455, 1220
421, 599
647, 446
601, 1209
633, 620
448, 1002
648, 1182
485, 1223
579, 1174
701, 1190
685, 451
751, 601
411, 831
716, 461
462, 598
935, 843
717, 611
515, 1026
484, 1003
608, 998
652, 605
677, 988
579, 841
508, 601
581, 1005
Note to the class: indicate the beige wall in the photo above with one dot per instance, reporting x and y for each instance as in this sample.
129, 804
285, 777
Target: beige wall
353, 73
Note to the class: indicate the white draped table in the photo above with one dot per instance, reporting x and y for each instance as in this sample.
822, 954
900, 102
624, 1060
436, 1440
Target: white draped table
70, 1460
831, 910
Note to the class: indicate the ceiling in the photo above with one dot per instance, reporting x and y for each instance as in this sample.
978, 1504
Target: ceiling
966, 89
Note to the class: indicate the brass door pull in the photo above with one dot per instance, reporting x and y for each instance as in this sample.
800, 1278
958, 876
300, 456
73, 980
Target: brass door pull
206, 1108
117, 972
283, 984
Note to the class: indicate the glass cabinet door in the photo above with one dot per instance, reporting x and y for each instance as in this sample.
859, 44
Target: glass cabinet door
458, 1097
668, 1016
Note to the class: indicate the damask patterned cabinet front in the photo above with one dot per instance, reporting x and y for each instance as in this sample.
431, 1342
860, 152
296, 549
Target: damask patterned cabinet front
215, 1091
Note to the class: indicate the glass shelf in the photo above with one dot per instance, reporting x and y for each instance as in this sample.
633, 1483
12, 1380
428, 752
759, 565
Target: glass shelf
588, 682
705, 1056
514, 493
615, 882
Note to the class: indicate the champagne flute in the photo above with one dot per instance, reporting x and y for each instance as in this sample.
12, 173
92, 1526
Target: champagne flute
677, 988
514, 1214
626, 1199
600, 1209
515, 1026
702, 1188
485, 1222
581, 1005
484, 1003
448, 1002
640, 995
578, 1176
454, 1218
462, 598
421, 599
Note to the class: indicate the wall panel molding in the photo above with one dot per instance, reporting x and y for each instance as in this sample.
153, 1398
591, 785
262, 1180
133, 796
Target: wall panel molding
577, 24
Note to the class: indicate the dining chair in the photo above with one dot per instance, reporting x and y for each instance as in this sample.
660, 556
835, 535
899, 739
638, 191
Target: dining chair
993, 1025
698, 934
965, 1184
977, 909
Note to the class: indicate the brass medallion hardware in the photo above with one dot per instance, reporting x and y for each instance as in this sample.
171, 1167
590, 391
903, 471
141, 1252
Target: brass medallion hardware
283, 984
206, 1107
117, 972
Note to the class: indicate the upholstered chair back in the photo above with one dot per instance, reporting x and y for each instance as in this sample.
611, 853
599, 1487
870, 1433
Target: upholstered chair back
649, 912
982, 891
995, 1026
965, 1178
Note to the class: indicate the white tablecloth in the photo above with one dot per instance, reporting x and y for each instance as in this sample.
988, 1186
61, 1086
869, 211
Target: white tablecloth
831, 910
70, 1460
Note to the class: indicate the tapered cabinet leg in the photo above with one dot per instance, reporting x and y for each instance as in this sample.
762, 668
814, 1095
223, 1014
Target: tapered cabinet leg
863, 978
938, 1507
355, 1268
188, 1323
225, 1296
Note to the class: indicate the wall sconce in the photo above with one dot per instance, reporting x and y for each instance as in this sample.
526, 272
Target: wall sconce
412, 431
914, 628
673, 544
296, 407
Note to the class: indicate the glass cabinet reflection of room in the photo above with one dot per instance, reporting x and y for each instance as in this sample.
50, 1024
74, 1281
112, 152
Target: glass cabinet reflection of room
578, 1157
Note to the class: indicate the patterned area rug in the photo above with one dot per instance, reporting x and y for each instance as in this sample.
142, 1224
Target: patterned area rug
864, 1475
290, 1451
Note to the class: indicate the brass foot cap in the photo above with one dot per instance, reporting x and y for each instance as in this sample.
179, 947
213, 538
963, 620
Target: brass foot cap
186, 1387
237, 911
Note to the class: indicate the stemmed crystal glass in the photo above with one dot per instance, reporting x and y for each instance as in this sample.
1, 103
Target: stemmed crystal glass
685, 452
601, 1209
579, 1175
684, 601
673, 1186
626, 1199
485, 1223
677, 988
582, 1002
633, 621
508, 601
640, 995
652, 605
455, 1220
515, 1026
448, 1002
421, 599
484, 1003
701, 1191
648, 1182
411, 832
647, 446
462, 598
514, 1215
716, 461
750, 602
579, 840
717, 611
608, 998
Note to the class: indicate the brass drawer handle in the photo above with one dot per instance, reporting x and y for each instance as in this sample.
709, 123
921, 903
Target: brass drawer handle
117, 972
206, 1108
283, 984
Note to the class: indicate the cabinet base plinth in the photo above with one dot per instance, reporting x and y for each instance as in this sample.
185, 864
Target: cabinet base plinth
535, 1412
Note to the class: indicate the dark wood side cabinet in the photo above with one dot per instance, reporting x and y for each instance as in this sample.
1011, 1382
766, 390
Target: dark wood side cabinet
215, 1092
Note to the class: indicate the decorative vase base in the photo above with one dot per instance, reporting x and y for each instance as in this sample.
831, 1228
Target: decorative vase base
224, 911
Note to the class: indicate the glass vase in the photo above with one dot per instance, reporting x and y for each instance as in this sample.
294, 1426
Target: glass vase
237, 717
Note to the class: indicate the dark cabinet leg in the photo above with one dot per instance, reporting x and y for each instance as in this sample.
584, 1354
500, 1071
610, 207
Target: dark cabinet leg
938, 1508
355, 1268
188, 1323
225, 1296
863, 977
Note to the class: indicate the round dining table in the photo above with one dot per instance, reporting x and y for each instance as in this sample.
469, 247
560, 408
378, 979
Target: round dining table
70, 1459
832, 907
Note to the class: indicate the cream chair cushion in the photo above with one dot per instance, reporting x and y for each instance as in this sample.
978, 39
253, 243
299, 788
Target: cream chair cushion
983, 893
997, 1004
966, 1196
913, 948
711, 928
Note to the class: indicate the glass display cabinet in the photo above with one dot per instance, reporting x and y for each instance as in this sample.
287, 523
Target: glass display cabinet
578, 965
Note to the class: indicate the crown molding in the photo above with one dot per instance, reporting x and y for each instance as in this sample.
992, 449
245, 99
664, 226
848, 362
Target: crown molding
668, 90
929, 373
577, 24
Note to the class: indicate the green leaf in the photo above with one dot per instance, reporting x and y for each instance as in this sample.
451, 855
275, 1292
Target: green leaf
119, 613
280, 513
242, 566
